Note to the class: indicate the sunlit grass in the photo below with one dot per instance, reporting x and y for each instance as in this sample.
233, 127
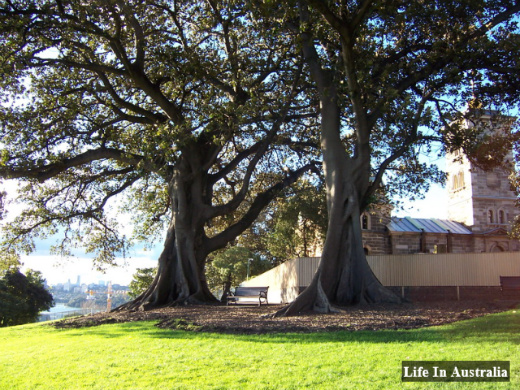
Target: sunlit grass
141, 356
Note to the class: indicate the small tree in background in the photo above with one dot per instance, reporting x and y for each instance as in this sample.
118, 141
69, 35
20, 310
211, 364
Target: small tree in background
301, 223
142, 279
9, 261
22, 297
231, 267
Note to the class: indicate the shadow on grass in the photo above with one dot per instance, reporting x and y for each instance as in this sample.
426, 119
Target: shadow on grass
494, 328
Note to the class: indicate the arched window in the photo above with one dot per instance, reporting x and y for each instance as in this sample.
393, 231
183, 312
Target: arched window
458, 181
490, 216
365, 221
501, 217
461, 179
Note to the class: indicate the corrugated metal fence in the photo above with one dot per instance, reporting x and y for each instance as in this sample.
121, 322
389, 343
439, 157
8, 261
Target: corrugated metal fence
453, 269
420, 270
460, 269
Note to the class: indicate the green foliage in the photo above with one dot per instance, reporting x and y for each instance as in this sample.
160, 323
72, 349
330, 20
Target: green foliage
141, 280
104, 104
232, 266
405, 75
201, 103
300, 223
77, 300
22, 297
3, 196
9, 260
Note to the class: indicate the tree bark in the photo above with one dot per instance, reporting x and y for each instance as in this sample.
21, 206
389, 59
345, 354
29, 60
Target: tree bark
343, 276
180, 276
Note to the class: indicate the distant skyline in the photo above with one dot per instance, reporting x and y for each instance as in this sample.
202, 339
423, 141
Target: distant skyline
57, 270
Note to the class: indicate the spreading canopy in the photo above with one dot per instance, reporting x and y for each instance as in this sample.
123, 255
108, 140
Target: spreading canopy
102, 99
184, 111
394, 78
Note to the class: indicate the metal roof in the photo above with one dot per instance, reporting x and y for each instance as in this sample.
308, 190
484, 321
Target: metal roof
429, 225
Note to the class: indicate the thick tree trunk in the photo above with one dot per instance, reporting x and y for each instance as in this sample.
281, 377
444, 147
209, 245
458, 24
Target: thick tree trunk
180, 276
346, 276
343, 276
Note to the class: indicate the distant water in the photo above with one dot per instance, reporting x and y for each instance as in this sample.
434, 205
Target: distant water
60, 311
60, 307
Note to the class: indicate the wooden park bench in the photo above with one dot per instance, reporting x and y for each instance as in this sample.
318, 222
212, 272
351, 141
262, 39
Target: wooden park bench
510, 283
249, 292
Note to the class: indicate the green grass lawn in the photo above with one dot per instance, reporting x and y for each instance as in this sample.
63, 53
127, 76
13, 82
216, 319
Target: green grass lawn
141, 356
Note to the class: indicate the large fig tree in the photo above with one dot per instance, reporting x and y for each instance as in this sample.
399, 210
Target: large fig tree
393, 78
183, 111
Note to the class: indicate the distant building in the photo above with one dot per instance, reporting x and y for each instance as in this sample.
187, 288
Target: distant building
481, 207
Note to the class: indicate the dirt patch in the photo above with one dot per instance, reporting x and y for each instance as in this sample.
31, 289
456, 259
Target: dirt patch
245, 319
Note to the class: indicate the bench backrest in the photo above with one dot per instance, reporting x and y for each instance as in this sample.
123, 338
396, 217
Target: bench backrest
250, 291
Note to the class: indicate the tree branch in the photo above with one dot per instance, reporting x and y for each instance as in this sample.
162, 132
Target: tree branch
241, 156
261, 150
48, 171
222, 239
90, 213
405, 146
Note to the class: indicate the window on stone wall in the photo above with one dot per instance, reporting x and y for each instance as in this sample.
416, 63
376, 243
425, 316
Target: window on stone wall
458, 181
461, 179
440, 248
455, 183
491, 218
365, 221
501, 217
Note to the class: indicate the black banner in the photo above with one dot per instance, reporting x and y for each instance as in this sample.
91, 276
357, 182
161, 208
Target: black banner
455, 371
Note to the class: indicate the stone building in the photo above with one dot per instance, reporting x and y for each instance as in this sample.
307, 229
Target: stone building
481, 206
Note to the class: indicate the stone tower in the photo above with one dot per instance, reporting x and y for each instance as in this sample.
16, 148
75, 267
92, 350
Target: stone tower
482, 200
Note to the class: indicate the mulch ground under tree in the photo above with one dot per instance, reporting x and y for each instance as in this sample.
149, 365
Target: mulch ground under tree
248, 319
